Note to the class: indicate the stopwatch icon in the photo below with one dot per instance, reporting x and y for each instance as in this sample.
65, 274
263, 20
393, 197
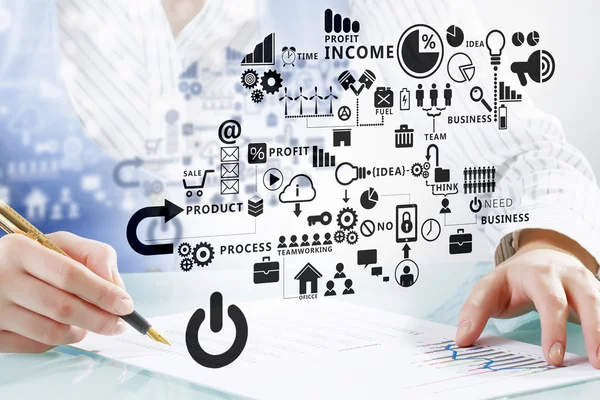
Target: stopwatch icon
216, 324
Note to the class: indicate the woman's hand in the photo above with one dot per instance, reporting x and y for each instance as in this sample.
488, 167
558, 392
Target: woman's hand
42, 292
549, 273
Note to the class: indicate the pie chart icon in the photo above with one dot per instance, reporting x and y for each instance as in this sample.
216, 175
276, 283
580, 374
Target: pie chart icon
369, 199
420, 51
461, 68
455, 36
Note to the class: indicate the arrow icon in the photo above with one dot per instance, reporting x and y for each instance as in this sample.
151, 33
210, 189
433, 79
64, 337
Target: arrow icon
406, 250
437, 154
168, 212
297, 210
345, 198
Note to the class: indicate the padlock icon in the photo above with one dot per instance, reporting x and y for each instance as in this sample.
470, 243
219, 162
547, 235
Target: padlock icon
406, 224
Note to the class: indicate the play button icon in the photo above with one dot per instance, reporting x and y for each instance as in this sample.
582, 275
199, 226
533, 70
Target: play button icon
273, 179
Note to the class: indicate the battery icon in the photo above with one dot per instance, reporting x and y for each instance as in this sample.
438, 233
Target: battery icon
405, 99
503, 118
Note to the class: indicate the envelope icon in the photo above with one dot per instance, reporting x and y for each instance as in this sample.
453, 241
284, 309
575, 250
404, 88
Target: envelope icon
230, 170
230, 154
231, 186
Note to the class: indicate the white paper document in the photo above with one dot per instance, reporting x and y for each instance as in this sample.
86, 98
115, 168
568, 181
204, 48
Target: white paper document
333, 350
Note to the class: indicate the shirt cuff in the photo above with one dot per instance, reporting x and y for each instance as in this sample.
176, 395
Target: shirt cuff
566, 222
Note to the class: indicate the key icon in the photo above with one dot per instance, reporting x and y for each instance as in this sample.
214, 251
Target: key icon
324, 219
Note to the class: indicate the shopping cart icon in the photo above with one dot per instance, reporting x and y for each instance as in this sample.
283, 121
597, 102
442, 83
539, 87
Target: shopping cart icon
191, 188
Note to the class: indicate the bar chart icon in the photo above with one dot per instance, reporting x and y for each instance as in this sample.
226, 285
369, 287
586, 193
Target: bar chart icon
321, 158
263, 54
507, 95
338, 24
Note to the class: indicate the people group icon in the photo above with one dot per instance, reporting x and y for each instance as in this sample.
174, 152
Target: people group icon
339, 275
433, 95
304, 241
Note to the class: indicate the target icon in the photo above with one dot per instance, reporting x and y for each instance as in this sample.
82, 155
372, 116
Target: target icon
540, 67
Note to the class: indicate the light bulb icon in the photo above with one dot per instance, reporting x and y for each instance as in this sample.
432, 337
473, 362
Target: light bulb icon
495, 42
347, 173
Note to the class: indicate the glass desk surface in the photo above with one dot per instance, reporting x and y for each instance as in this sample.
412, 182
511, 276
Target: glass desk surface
69, 373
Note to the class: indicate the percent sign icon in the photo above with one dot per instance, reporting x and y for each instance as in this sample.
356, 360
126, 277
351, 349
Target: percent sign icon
257, 153
429, 42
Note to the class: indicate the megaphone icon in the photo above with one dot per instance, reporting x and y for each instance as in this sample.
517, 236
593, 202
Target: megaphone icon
540, 67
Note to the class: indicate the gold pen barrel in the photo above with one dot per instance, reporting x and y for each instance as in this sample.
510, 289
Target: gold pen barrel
12, 222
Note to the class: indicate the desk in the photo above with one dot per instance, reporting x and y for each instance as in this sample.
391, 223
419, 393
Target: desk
67, 373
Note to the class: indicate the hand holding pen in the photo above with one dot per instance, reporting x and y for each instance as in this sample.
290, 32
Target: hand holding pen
47, 299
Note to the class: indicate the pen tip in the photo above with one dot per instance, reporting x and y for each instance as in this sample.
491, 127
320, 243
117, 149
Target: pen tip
157, 337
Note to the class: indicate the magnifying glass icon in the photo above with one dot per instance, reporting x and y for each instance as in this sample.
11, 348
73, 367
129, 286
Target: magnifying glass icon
477, 96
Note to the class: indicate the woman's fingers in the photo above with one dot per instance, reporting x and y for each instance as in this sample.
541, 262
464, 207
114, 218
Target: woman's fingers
583, 291
487, 299
39, 328
70, 276
99, 257
546, 291
48, 301
11, 342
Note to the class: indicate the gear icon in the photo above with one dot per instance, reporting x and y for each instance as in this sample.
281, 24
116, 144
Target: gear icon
250, 79
203, 254
271, 81
352, 237
257, 96
339, 236
184, 249
416, 170
186, 265
347, 219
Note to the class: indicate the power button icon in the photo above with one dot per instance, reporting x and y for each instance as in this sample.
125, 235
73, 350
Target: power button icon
216, 324
475, 205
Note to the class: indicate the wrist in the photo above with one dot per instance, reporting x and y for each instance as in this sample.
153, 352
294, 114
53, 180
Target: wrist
536, 238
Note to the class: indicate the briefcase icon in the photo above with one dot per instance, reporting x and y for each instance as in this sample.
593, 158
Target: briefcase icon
461, 243
266, 271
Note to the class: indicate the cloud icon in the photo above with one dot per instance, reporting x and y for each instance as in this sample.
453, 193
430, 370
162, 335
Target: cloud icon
299, 190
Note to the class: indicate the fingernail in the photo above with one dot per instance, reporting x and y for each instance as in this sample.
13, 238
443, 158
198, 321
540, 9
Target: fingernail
557, 352
598, 353
463, 330
124, 306
119, 328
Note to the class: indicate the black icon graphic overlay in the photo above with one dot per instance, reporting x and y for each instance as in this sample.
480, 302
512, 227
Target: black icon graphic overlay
495, 42
229, 131
288, 56
369, 199
533, 39
540, 67
405, 99
404, 137
460, 243
309, 275
257, 153
190, 188
273, 179
338, 24
342, 137
475, 205
507, 95
347, 219
346, 173
263, 54
255, 206
330, 292
315, 97
367, 228
203, 254
216, 323
366, 80
407, 273
344, 113
477, 96
250, 79
461, 68
420, 51
168, 212
441, 175
455, 36
479, 180
503, 114
383, 97
266, 271
271, 81
299, 190
324, 219
518, 39
366, 257
322, 159
406, 223
431, 230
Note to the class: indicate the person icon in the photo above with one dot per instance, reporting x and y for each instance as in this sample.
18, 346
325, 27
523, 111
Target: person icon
304, 241
348, 284
327, 241
433, 95
294, 241
330, 291
445, 209
281, 244
340, 271
407, 279
448, 95
316, 241
420, 95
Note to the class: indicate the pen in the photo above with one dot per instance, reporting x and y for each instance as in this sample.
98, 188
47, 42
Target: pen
12, 222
